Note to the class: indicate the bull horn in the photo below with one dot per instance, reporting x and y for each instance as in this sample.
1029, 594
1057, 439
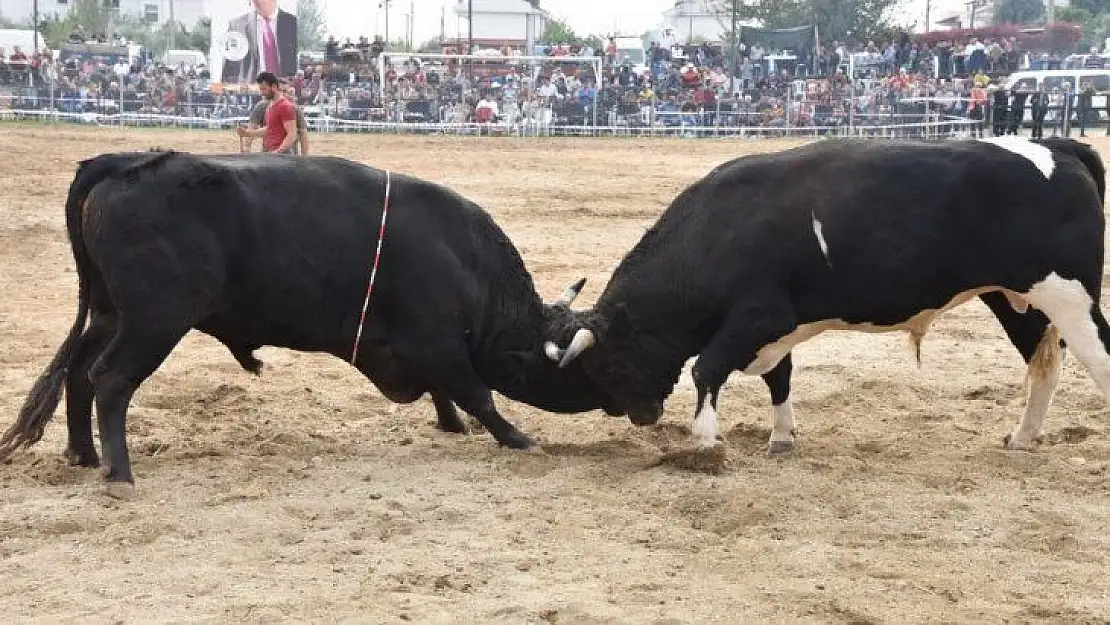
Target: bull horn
552, 350
569, 295
583, 340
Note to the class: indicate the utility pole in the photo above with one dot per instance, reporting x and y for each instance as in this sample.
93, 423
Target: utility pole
385, 4
470, 26
928, 6
442, 24
35, 18
735, 52
173, 28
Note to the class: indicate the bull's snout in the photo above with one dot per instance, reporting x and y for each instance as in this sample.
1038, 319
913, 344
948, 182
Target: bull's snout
646, 415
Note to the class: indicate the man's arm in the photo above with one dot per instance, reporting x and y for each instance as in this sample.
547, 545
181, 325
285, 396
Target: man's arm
251, 132
290, 135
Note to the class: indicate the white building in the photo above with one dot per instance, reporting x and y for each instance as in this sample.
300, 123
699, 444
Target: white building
699, 19
497, 22
157, 12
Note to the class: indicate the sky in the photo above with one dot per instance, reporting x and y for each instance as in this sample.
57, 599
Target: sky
351, 18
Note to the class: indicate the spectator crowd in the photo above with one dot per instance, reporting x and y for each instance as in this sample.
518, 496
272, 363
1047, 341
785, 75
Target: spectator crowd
676, 86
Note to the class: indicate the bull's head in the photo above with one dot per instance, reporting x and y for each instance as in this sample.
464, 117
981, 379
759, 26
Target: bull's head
607, 349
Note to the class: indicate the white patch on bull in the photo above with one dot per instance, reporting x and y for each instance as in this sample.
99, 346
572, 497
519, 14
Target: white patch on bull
918, 325
1068, 306
821, 239
782, 429
1035, 153
705, 429
1042, 377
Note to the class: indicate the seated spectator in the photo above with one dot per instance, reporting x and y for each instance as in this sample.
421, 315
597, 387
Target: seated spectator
486, 111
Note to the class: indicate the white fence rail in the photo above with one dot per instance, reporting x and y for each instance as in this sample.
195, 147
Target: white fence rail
931, 122
935, 127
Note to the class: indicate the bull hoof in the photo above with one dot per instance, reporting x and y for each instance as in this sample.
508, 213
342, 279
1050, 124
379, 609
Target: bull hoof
76, 459
702, 444
457, 427
780, 447
518, 442
1016, 443
124, 491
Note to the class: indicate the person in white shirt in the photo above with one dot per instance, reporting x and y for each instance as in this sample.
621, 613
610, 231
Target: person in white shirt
488, 103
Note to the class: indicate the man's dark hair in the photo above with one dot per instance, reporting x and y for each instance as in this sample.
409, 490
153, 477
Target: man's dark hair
267, 78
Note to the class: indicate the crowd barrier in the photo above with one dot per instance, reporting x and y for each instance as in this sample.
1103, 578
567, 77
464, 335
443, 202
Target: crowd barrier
704, 124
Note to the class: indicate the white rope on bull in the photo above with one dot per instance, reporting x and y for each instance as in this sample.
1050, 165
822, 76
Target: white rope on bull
373, 270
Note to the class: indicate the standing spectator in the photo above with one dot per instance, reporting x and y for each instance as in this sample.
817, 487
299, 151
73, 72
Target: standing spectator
1039, 104
280, 129
999, 102
1017, 108
1083, 106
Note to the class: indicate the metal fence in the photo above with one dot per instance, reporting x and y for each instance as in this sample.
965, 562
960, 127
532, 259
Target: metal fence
209, 112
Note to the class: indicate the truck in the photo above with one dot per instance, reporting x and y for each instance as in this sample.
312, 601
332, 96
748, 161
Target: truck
632, 48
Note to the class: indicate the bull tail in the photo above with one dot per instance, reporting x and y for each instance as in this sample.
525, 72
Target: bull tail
44, 396
1087, 155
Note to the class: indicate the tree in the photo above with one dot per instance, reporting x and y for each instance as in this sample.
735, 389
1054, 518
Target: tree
1093, 7
1096, 26
90, 17
200, 38
840, 20
558, 31
310, 25
1017, 11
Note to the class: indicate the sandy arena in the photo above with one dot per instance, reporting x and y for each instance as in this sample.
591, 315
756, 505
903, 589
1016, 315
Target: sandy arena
306, 496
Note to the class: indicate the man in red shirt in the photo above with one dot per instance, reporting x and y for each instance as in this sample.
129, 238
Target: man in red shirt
279, 132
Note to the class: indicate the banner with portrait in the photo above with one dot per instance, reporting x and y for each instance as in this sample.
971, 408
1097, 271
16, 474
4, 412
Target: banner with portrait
252, 36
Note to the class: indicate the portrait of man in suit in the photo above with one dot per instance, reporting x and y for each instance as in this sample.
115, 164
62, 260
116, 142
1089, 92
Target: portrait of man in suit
271, 43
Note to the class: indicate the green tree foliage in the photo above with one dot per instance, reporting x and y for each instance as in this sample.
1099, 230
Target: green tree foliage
842, 20
200, 37
1018, 11
91, 18
1093, 7
558, 31
311, 25
1095, 25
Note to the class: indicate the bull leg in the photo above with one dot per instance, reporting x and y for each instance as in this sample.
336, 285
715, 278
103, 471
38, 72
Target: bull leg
748, 340
80, 450
455, 379
447, 418
130, 357
782, 430
1039, 345
1071, 308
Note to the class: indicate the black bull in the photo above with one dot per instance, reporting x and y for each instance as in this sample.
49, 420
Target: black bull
269, 250
768, 251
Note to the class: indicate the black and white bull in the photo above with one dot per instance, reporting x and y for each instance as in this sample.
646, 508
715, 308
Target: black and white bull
271, 250
768, 251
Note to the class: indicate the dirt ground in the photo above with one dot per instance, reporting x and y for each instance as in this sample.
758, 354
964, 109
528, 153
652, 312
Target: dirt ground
306, 496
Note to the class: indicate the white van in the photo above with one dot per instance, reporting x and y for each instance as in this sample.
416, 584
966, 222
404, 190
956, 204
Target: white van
1049, 79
